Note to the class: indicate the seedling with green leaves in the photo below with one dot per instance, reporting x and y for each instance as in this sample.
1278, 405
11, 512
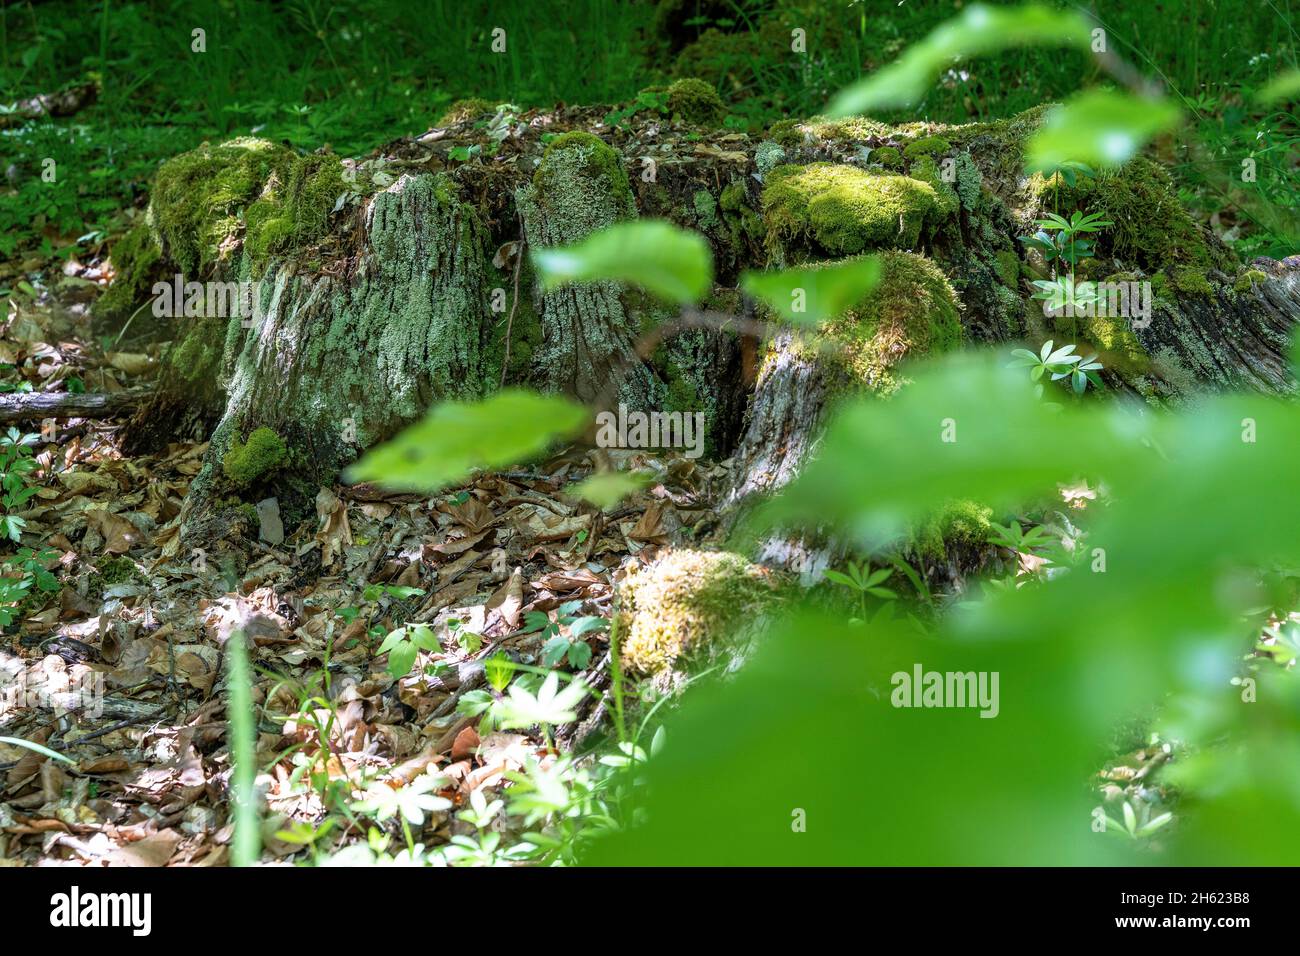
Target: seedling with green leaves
1137, 824
1059, 364
1058, 239
560, 645
860, 578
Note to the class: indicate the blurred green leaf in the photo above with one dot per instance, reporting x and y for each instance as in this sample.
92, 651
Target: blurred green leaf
674, 264
978, 31
607, 488
1154, 610
1284, 87
455, 438
810, 296
1099, 127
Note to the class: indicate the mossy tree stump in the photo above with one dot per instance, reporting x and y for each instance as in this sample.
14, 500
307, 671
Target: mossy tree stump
381, 300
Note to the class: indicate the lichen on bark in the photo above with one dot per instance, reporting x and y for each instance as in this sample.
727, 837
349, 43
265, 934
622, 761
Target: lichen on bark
588, 340
336, 362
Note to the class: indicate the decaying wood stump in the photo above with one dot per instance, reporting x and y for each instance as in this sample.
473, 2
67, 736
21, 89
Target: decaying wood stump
389, 284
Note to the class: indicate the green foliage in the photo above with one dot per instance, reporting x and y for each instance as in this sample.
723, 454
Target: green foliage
549, 706
1061, 364
815, 295
403, 644
16, 465
246, 462
455, 438
1099, 127
978, 31
912, 311
1173, 624
558, 644
1150, 227
1058, 239
648, 100
672, 263
26, 569
862, 580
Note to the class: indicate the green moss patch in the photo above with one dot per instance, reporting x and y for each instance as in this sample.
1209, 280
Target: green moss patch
1151, 227
961, 523
137, 262
110, 572
292, 214
685, 602
1249, 279
844, 209
912, 312
593, 157
887, 156
1008, 268
926, 146
246, 462
198, 197
696, 101
1115, 343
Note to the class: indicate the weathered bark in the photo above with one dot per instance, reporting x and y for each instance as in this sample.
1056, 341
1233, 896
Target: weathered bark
589, 343
1229, 340
339, 360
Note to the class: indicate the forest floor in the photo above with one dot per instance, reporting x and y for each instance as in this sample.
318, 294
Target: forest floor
122, 672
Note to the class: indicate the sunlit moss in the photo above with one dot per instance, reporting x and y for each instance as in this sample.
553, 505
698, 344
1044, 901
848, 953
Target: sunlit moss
1115, 342
198, 197
926, 170
926, 146
960, 523
887, 156
913, 311
845, 209
686, 603
245, 462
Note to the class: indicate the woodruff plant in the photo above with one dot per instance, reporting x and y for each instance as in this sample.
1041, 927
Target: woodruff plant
26, 568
